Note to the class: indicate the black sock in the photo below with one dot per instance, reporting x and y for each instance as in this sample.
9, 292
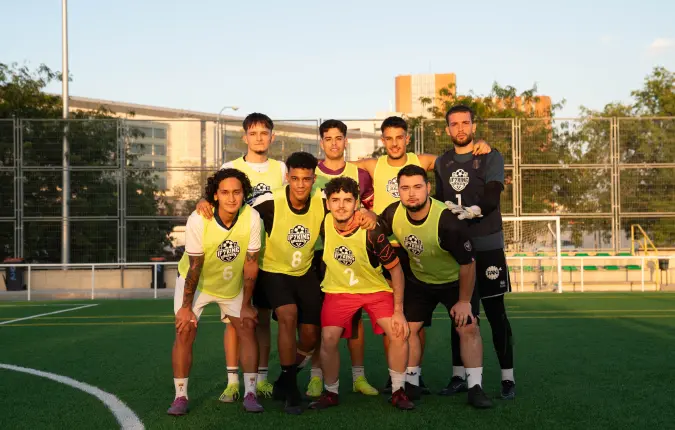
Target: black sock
289, 372
502, 336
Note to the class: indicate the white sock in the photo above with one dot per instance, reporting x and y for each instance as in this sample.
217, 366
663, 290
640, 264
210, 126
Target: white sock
474, 376
507, 375
232, 375
397, 380
419, 372
334, 387
262, 374
412, 375
316, 372
459, 371
249, 381
305, 361
180, 384
358, 371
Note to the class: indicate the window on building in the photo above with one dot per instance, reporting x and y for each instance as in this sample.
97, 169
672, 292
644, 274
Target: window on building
160, 165
160, 133
160, 150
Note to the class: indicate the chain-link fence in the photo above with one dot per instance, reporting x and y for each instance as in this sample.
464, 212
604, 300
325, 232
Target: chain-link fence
134, 182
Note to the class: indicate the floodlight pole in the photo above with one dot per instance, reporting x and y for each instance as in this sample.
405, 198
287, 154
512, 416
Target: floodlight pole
65, 197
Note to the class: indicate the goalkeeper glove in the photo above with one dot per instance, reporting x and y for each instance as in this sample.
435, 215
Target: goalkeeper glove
470, 212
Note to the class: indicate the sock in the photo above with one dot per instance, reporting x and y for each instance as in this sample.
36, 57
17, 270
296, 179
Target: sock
249, 382
302, 358
289, 373
419, 371
412, 375
507, 375
459, 371
232, 375
334, 387
474, 376
316, 372
180, 384
358, 371
397, 380
262, 374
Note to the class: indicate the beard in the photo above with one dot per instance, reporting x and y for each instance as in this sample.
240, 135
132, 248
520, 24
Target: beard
259, 151
462, 142
344, 218
397, 157
417, 207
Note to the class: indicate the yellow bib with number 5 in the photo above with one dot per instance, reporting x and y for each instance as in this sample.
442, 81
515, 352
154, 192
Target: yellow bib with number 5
348, 268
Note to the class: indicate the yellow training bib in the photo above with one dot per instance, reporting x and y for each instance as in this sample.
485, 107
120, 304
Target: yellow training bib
261, 182
385, 182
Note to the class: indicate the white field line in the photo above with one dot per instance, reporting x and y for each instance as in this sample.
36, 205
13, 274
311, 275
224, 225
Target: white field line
45, 314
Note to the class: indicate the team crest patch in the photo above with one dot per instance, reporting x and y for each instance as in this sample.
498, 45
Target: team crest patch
413, 244
260, 189
392, 187
492, 272
298, 236
344, 255
228, 251
467, 245
459, 179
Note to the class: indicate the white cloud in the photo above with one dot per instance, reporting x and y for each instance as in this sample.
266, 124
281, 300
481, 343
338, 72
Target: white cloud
661, 44
606, 39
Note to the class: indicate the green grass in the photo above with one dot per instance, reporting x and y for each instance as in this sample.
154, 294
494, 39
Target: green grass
582, 360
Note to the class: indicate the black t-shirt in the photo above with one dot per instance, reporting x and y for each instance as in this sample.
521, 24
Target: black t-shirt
452, 232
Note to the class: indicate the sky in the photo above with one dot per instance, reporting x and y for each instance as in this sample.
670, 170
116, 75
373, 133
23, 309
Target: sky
315, 59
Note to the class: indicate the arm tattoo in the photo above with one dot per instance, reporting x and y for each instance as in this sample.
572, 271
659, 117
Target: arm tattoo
251, 256
192, 279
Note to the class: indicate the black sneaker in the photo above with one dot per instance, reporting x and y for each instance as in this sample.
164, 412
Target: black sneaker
455, 386
478, 399
423, 388
387, 387
413, 392
508, 390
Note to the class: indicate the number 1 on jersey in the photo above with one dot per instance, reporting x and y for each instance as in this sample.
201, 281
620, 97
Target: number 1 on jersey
459, 199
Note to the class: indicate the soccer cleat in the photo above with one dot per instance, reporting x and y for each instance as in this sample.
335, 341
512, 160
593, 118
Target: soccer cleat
455, 386
478, 399
230, 394
264, 389
387, 386
178, 407
362, 386
413, 392
423, 387
508, 390
251, 403
314, 387
401, 400
326, 400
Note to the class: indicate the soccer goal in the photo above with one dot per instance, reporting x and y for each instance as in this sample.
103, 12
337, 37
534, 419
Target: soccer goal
533, 250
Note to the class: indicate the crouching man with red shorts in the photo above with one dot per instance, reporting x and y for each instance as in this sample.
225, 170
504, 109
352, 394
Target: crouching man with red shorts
354, 259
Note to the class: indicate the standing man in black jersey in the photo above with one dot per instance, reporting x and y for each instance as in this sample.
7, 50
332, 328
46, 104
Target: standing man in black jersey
471, 186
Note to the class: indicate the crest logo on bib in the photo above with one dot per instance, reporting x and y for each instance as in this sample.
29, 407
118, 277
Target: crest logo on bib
459, 179
344, 255
298, 236
392, 187
413, 244
259, 190
228, 251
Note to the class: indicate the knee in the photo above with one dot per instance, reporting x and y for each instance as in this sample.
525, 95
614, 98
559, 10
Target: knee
287, 319
468, 331
247, 328
329, 340
186, 337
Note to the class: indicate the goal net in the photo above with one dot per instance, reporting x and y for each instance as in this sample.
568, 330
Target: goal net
533, 252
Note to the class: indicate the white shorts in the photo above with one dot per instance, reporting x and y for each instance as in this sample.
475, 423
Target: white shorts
228, 307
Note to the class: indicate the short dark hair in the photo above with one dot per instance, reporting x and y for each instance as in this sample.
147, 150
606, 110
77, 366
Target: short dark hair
395, 122
332, 123
214, 181
456, 109
342, 183
257, 118
412, 170
301, 160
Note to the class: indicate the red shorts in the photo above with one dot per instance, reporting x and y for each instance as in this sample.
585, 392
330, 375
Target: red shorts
339, 309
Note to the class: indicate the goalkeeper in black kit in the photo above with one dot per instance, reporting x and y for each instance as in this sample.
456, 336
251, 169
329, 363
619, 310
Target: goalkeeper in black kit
471, 186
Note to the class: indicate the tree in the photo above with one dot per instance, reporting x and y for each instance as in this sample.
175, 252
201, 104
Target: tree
97, 140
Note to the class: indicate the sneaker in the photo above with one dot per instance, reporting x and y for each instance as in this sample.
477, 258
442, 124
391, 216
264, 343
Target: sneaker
178, 407
508, 390
401, 400
413, 392
326, 400
362, 386
231, 393
423, 387
251, 403
264, 389
314, 387
478, 399
455, 386
387, 386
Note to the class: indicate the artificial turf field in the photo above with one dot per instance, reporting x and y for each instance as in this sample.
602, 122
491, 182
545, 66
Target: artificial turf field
590, 360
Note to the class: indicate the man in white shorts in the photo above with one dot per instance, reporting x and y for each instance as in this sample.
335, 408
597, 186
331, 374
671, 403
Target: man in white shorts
220, 266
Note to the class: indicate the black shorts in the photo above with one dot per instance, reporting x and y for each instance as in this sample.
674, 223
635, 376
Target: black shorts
492, 273
421, 299
274, 290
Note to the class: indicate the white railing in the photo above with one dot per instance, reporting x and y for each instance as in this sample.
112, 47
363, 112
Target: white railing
93, 271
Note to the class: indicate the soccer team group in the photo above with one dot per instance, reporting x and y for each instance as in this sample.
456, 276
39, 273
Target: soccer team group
312, 244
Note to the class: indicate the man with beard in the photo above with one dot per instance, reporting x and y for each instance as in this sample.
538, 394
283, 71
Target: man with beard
354, 261
471, 186
443, 271
265, 175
